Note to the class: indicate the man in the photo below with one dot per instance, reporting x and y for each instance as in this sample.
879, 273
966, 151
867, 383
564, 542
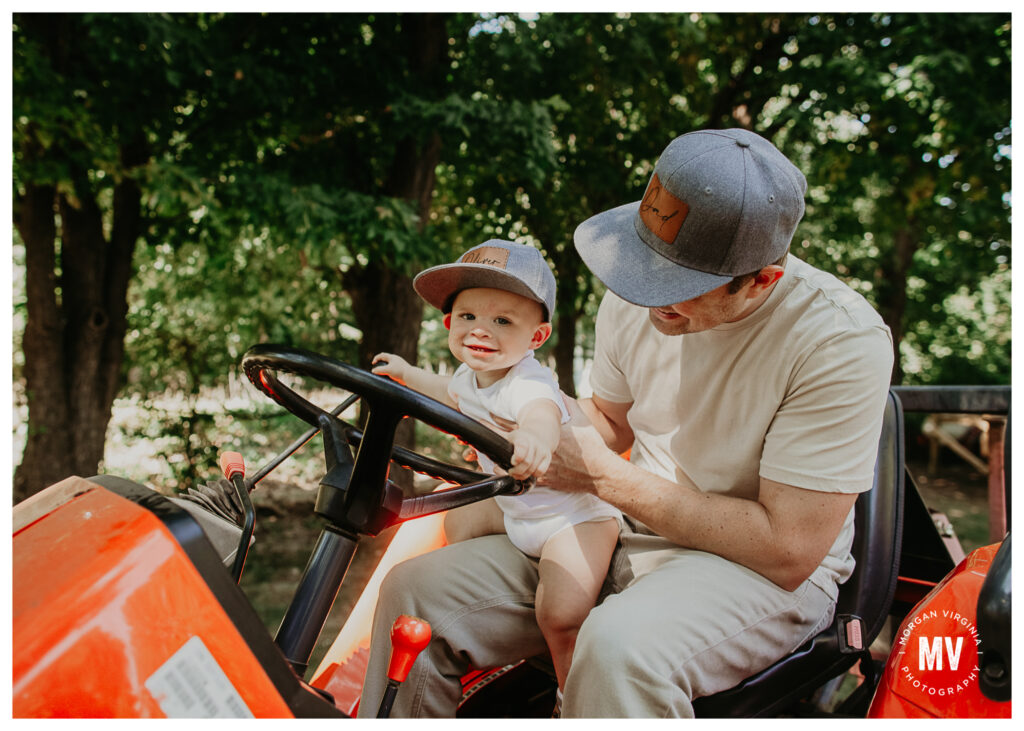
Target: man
749, 387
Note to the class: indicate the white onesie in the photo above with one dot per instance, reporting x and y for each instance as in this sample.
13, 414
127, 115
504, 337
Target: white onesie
539, 513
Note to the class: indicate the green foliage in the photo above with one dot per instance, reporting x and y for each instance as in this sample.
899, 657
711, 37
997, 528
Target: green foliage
200, 309
903, 124
78, 106
272, 144
967, 339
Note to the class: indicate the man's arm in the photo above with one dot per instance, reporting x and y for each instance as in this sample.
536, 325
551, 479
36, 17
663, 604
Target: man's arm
609, 418
783, 535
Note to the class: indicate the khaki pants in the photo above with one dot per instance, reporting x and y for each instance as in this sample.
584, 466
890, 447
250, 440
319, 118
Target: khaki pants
673, 624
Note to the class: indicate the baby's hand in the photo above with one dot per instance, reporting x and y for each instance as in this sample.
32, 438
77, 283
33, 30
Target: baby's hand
531, 455
390, 365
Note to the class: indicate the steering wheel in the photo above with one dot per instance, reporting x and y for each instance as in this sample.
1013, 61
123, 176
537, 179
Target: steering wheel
356, 494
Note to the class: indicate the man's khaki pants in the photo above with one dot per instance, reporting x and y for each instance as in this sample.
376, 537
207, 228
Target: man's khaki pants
674, 624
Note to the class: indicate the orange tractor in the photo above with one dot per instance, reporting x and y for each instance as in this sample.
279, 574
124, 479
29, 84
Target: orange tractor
126, 602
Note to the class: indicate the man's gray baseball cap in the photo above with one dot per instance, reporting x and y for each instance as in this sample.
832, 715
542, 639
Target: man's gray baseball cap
497, 264
721, 203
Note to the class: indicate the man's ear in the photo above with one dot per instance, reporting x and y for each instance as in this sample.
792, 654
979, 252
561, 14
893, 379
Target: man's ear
767, 276
540, 335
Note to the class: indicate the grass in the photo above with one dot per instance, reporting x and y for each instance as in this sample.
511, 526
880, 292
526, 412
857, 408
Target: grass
961, 494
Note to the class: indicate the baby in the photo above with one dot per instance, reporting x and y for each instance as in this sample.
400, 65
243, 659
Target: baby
498, 300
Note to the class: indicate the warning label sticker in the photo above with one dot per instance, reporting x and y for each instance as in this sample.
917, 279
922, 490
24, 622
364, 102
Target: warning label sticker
192, 685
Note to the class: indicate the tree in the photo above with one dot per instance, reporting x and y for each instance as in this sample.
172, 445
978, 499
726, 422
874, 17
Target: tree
617, 87
904, 121
284, 193
111, 108
901, 123
340, 163
342, 140
605, 87
264, 135
81, 146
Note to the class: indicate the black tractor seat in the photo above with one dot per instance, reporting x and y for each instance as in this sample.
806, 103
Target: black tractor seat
864, 600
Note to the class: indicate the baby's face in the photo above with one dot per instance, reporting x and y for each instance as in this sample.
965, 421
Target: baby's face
491, 329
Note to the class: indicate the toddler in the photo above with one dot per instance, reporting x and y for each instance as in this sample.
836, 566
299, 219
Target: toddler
498, 300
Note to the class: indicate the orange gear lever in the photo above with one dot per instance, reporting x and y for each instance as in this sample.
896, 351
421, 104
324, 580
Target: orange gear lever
232, 463
409, 636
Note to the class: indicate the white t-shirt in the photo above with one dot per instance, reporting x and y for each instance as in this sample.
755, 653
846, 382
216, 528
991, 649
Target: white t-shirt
527, 381
793, 393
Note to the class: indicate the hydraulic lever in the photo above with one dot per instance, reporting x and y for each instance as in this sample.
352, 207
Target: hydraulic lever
409, 635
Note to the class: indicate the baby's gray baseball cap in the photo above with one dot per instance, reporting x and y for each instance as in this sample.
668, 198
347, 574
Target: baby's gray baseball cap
720, 203
498, 264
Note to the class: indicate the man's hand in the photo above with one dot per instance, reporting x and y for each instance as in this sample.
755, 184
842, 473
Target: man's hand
580, 455
393, 366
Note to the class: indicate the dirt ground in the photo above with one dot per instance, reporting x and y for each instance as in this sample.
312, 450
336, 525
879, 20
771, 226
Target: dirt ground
287, 530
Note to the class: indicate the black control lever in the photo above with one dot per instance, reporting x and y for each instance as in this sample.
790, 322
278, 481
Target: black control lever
233, 467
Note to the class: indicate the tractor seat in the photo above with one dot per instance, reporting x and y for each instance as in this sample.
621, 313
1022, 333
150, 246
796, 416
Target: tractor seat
867, 595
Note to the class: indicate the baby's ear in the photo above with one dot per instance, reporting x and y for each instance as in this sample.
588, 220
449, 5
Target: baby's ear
540, 335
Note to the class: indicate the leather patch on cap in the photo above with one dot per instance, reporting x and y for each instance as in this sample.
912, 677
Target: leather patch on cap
493, 256
662, 212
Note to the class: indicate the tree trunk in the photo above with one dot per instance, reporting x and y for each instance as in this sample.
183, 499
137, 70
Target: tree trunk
388, 311
74, 344
379, 293
74, 330
570, 293
46, 458
565, 353
892, 303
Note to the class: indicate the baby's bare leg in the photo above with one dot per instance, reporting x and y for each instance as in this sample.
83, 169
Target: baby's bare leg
474, 520
573, 565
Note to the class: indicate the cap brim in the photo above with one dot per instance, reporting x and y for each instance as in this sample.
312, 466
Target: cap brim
611, 248
438, 285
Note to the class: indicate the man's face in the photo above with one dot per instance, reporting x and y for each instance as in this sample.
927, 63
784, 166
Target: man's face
704, 312
491, 329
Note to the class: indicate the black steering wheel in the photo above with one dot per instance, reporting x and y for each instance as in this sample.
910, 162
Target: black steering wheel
356, 494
